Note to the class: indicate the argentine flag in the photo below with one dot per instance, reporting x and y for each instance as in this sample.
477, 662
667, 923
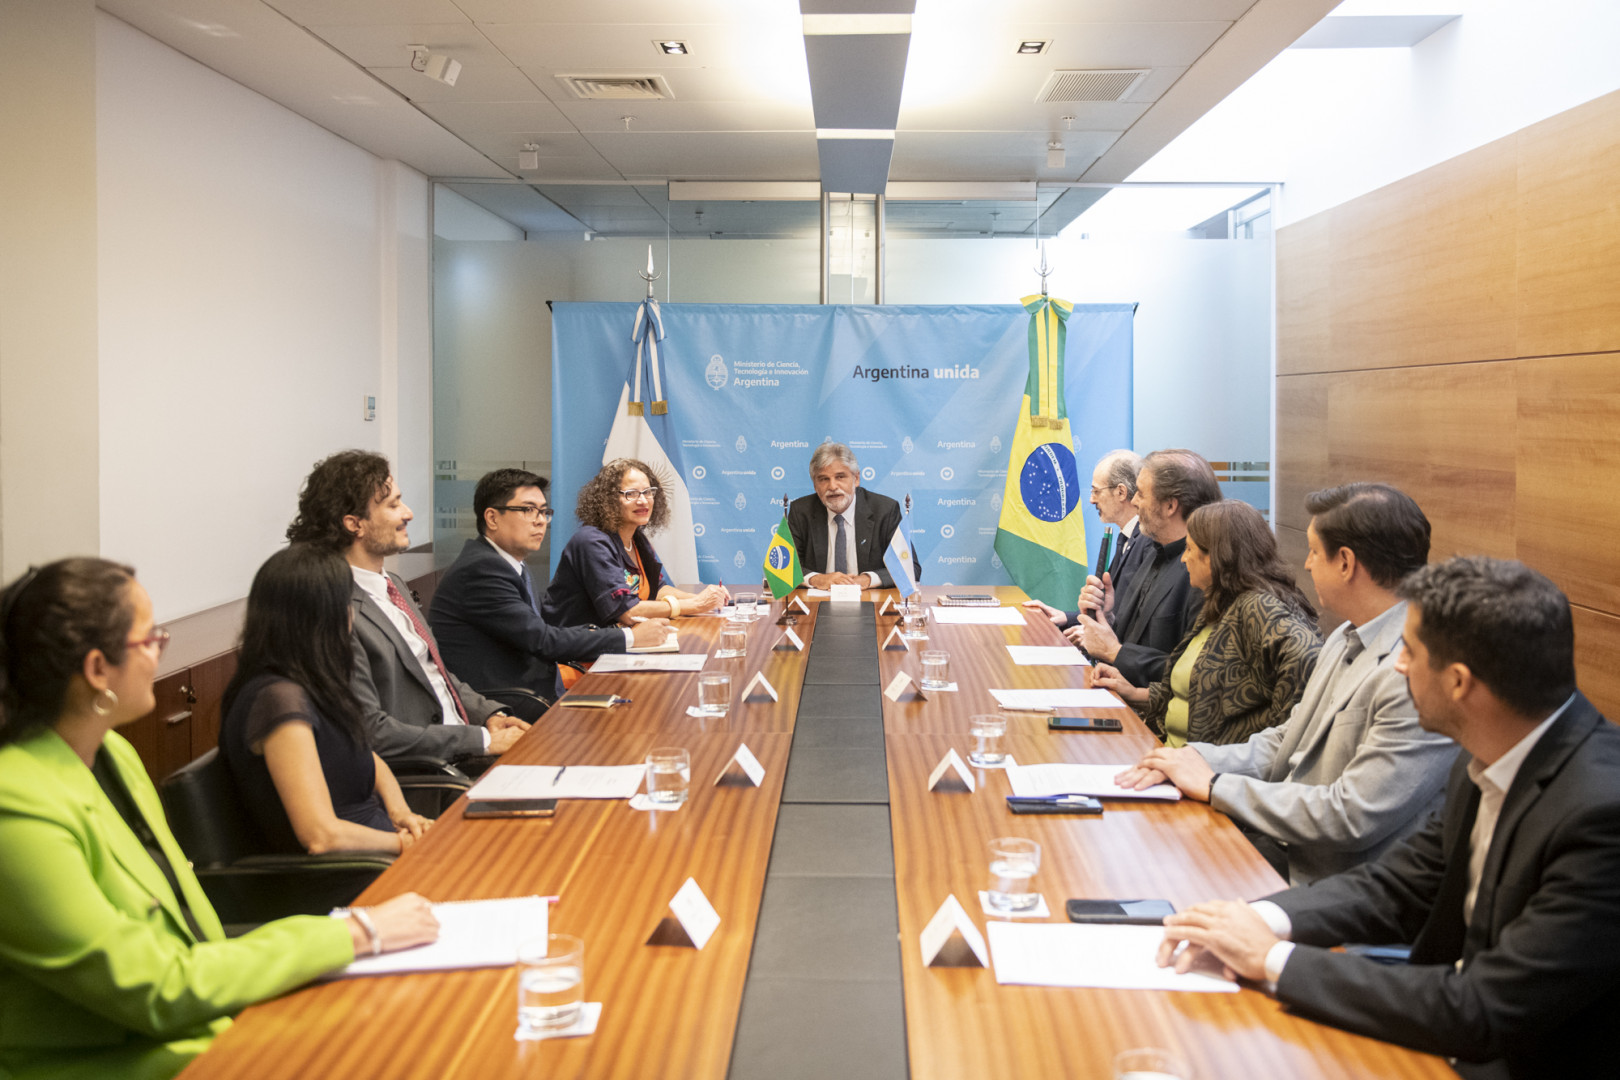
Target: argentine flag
636, 435
897, 557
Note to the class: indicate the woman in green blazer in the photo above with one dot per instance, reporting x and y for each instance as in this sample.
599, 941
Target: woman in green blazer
112, 962
1243, 665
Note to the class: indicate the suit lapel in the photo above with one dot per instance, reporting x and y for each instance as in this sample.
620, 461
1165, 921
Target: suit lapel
865, 522
385, 625
1140, 602
1441, 940
1327, 710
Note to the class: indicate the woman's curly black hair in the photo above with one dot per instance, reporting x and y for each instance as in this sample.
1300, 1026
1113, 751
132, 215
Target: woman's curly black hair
599, 505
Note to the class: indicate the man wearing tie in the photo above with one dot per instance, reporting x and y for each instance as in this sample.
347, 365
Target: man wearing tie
486, 613
842, 531
1509, 897
1113, 486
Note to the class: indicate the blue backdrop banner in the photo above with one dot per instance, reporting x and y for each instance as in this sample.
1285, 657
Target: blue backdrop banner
926, 396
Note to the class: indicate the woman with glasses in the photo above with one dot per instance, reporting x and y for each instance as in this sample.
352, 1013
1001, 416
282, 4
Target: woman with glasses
292, 734
1244, 663
608, 572
112, 960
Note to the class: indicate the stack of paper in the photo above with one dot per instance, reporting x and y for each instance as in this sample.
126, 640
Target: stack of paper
559, 782
673, 661
1041, 781
1059, 697
472, 934
1047, 656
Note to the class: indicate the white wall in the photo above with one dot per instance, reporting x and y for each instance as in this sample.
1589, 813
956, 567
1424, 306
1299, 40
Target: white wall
257, 276
1333, 124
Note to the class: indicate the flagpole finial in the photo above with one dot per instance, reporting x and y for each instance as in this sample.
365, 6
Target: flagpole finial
1045, 268
647, 275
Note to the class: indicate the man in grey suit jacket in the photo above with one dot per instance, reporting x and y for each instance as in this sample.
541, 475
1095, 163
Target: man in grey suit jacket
413, 705
1351, 771
1509, 897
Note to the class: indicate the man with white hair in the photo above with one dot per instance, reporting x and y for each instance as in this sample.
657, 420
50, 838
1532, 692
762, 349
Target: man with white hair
842, 531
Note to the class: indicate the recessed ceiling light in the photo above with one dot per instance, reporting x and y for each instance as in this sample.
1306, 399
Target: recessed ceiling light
1032, 48
673, 48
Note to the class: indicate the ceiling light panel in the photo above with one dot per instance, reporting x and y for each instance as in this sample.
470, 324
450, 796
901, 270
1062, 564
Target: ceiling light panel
846, 24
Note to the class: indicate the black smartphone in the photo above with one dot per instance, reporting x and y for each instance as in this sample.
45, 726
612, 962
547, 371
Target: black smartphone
1084, 723
1129, 912
490, 808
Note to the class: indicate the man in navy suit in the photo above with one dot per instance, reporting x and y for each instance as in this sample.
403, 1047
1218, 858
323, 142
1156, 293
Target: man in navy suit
1509, 896
842, 531
486, 613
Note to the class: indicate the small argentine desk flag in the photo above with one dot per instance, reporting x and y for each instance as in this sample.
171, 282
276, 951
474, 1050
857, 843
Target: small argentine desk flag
897, 557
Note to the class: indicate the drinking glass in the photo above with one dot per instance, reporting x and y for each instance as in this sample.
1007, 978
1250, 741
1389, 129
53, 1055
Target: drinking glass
746, 605
1013, 863
936, 669
551, 983
714, 693
669, 773
915, 621
733, 639
1149, 1063
987, 731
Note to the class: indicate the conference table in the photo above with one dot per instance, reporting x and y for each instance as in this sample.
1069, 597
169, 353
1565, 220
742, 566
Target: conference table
780, 990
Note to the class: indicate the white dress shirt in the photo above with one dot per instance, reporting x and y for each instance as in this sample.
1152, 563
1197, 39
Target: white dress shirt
1493, 781
376, 586
872, 580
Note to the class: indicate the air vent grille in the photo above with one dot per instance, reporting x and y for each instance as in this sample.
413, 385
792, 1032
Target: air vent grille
617, 87
1091, 85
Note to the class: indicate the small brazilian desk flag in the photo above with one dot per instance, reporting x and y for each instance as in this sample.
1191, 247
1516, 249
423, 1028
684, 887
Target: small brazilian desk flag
1041, 539
782, 571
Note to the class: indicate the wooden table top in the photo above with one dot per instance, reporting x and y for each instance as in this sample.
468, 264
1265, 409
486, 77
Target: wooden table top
673, 1011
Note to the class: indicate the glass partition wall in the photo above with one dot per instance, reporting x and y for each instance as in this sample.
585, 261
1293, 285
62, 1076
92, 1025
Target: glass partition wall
1196, 260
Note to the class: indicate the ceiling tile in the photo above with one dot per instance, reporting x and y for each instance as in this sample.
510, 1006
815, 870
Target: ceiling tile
992, 155
478, 83
474, 116
587, 47
622, 12
374, 46
689, 115
727, 156
361, 12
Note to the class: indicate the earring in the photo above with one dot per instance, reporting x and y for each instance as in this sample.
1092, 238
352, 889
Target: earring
104, 703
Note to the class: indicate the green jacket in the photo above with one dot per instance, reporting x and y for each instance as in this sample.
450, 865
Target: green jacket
99, 974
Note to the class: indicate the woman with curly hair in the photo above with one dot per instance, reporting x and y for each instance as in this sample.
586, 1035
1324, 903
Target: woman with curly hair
1244, 664
608, 572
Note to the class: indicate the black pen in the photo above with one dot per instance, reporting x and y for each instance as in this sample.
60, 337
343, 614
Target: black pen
558, 777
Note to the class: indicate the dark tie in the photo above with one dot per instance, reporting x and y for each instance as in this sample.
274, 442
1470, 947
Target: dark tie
840, 556
528, 587
433, 650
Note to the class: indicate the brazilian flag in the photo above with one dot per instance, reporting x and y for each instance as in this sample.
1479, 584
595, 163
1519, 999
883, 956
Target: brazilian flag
1041, 538
782, 571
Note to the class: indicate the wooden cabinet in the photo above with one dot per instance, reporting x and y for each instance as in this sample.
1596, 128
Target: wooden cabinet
163, 736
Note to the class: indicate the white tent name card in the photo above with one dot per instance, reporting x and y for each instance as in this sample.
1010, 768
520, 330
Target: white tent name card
898, 685
789, 641
692, 920
896, 636
762, 684
798, 602
888, 602
951, 940
745, 761
951, 770
845, 594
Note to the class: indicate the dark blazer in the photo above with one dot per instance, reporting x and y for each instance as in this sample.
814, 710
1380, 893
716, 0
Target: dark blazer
1138, 549
400, 708
490, 633
876, 518
596, 581
1249, 675
1150, 618
1540, 984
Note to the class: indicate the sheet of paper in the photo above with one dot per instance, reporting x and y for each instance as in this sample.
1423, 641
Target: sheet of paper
670, 645
472, 934
1047, 656
817, 593
980, 616
695, 914
648, 662
1038, 781
576, 782
1075, 954
589, 1013
1059, 697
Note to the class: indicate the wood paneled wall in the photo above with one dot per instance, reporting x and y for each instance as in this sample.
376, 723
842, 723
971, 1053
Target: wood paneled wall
1457, 333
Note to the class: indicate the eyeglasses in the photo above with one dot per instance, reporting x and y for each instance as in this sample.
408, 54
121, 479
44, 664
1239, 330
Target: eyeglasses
158, 637
533, 513
632, 495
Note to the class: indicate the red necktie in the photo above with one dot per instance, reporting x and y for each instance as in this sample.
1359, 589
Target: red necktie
433, 650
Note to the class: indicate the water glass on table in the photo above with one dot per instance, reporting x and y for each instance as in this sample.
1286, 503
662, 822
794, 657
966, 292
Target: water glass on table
669, 775
714, 693
1149, 1063
733, 639
1013, 863
936, 669
746, 606
551, 984
914, 621
986, 732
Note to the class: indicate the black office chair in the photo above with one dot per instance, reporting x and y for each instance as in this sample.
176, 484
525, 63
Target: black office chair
520, 701
429, 784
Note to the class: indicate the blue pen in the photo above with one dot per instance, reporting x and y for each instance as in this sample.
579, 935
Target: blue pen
558, 777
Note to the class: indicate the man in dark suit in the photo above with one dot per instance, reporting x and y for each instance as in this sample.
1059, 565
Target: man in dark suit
1509, 896
1113, 487
485, 611
1136, 628
412, 704
842, 531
